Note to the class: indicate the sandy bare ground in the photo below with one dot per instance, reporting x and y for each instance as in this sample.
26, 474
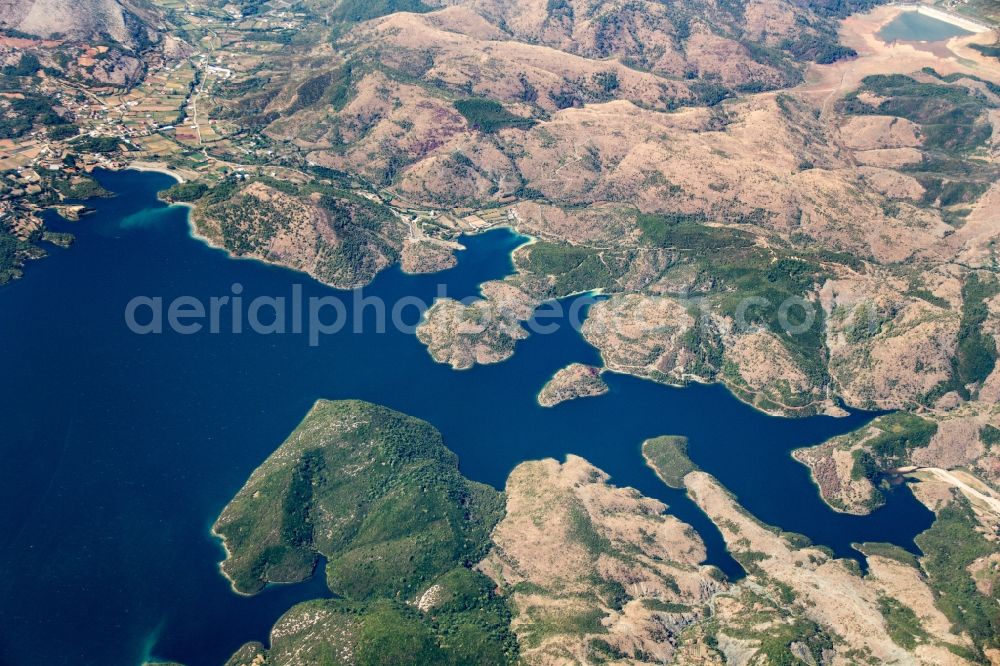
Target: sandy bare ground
826, 83
181, 174
989, 501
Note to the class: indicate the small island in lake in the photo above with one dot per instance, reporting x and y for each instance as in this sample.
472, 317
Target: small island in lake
576, 380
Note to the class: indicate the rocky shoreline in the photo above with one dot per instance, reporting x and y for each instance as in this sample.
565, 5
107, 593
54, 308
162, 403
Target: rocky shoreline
574, 381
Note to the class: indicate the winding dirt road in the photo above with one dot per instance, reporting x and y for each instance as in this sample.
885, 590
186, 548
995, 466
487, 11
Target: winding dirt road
989, 501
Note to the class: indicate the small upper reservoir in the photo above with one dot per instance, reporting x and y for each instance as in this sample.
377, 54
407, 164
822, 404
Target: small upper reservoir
913, 26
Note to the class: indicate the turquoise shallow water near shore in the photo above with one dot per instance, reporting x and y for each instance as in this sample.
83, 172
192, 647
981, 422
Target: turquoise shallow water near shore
120, 450
917, 27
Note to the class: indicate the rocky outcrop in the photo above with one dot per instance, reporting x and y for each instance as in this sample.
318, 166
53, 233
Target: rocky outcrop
887, 350
888, 614
595, 567
425, 256
643, 335
482, 332
574, 381
761, 371
833, 470
341, 240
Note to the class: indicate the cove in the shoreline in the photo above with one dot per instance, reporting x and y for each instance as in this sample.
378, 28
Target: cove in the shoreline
120, 450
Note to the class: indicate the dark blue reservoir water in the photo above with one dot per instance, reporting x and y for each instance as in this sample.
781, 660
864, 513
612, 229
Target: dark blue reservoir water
117, 451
